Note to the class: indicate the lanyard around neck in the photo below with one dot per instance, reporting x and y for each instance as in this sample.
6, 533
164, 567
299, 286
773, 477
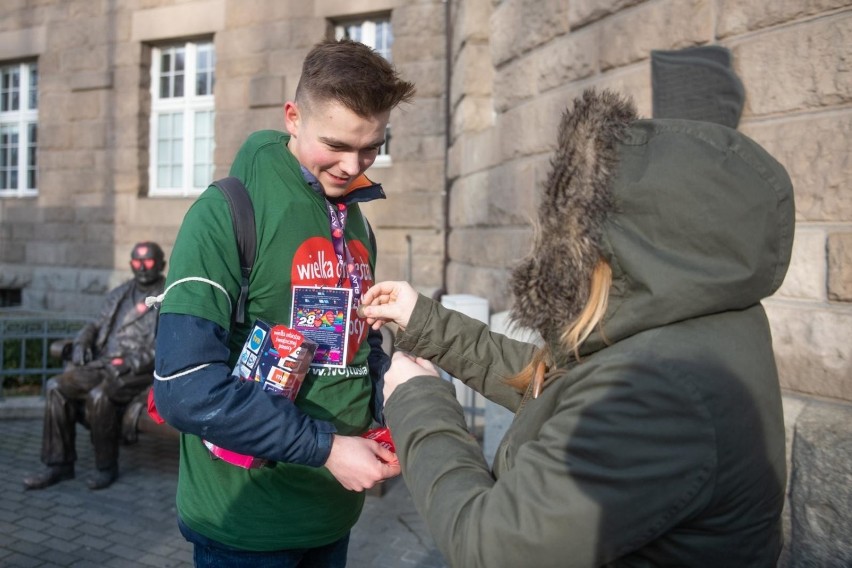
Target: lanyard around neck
337, 215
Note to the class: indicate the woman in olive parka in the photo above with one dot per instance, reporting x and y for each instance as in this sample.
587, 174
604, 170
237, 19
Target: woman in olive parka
648, 428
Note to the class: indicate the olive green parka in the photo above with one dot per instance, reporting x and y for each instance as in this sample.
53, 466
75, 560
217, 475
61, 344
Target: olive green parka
664, 445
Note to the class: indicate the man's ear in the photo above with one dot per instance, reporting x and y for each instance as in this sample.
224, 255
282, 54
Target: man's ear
292, 117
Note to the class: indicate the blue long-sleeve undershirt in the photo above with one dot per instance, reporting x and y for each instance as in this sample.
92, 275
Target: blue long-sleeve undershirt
236, 415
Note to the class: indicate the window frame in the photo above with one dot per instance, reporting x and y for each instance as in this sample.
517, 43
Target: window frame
24, 120
367, 26
188, 107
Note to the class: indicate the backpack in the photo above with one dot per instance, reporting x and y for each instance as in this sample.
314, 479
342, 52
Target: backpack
242, 216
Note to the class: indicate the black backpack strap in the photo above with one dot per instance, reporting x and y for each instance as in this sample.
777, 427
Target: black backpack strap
242, 216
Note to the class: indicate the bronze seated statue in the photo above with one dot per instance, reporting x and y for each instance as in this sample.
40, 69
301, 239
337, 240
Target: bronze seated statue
110, 369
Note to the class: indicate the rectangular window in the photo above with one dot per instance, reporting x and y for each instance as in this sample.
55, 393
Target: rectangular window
182, 113
375, 32
18, 130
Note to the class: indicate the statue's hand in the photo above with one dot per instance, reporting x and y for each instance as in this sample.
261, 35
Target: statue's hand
119, 366
81, 354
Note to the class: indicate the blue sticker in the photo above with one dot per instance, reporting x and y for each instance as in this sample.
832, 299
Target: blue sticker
257, 337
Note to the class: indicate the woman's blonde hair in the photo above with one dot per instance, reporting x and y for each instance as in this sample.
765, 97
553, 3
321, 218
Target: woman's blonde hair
576, 332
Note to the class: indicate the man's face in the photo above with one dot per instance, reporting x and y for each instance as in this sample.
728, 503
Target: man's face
147, 264
333, 143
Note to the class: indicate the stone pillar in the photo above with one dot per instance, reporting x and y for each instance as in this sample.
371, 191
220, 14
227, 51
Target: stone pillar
472, 402
497, 418
818, 509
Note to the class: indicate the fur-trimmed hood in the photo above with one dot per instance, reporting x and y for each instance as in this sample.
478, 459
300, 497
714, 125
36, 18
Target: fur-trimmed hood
694, 218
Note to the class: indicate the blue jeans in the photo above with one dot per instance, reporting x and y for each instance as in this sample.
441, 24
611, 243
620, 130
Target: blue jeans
209, 553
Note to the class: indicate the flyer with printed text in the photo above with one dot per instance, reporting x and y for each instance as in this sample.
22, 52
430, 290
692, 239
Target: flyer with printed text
323, 315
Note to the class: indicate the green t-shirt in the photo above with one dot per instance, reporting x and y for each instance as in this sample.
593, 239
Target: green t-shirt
287, 505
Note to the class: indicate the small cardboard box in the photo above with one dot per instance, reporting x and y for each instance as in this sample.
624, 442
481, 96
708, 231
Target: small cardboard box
277, 357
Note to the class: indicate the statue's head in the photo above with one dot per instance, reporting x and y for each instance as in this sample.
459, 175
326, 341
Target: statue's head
147, 262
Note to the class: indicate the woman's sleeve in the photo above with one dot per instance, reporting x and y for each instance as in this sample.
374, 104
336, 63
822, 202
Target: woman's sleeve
466, 349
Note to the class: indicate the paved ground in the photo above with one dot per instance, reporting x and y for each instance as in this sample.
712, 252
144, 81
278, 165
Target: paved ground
132, 523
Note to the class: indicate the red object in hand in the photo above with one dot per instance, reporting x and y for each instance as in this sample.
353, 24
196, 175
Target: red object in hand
382, 436
117, 361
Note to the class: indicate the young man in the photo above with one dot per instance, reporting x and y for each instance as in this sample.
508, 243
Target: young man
305, 186
112, 361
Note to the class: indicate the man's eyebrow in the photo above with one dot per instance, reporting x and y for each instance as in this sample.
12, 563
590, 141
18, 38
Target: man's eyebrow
340, 144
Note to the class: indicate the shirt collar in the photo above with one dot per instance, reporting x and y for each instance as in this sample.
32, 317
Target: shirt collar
363, 189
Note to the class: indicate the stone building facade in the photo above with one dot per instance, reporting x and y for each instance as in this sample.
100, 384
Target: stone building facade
64, 247
468, 156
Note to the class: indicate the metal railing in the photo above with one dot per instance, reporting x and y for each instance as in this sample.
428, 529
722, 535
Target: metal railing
25, 339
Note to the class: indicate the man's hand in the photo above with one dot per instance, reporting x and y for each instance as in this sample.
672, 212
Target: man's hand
358, 463
80, 354
405, 367
388, 302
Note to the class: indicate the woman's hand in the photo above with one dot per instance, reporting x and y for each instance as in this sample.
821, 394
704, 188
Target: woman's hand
388, 302
404, 367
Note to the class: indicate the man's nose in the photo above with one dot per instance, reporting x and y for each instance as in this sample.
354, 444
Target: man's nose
350, 163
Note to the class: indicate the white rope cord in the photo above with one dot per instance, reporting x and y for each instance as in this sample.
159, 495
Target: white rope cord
182, 373
152, 300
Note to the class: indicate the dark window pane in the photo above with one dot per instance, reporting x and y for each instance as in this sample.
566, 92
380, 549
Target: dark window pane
178, 85
10, 297
385, 149
33, 87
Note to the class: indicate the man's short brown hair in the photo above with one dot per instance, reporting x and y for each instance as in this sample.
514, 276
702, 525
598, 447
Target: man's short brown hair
352, 74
